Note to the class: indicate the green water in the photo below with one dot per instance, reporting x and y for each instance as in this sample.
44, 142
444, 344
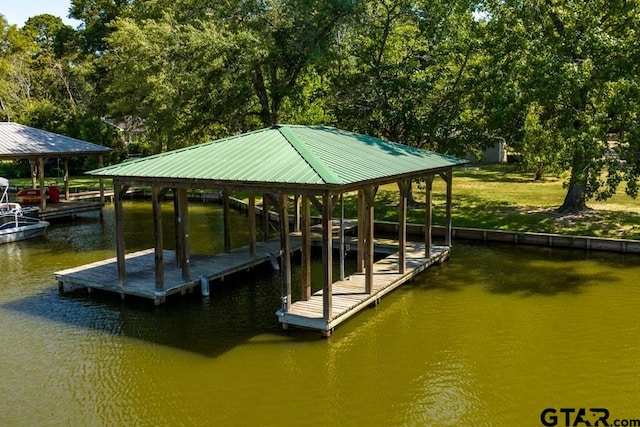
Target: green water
491, 337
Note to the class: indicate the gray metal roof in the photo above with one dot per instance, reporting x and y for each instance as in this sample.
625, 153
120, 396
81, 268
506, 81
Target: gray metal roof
19, 141
305, 156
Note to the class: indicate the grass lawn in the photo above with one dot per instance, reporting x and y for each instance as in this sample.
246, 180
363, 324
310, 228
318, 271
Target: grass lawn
491, 197
500, 197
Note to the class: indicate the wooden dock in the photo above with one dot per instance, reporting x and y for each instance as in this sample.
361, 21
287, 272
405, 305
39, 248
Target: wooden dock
140, 280
349, 296
103, 274
69, 209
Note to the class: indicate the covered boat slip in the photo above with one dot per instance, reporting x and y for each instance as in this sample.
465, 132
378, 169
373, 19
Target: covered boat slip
37, 146
316, 165
349, 296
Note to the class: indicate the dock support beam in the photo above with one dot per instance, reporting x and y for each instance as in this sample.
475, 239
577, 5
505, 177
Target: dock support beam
285, 269
265, 217
448, 178
182, 231
226, 221
296, 213
43, 195
177, 226
369, 195
65, 177
362, 226
101, 181
118, 193
34, 173
428, 201
158, 248
327, 255
252, 223
403, 187
305, 213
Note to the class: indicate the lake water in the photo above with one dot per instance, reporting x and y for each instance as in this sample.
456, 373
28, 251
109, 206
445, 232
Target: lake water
492, 337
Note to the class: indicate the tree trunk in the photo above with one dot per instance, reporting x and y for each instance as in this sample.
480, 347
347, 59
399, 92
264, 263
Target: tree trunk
539, 171
574, 201
263, 96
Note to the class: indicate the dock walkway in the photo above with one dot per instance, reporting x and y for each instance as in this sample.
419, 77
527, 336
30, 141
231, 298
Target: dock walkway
140, 280
349, 296
69, 209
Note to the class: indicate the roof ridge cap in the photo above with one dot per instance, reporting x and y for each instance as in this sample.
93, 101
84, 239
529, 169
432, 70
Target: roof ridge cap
316, 164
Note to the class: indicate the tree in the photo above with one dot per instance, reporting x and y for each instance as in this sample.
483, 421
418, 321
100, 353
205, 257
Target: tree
576, 66
296, 35
402, 72
96, 17
192, 70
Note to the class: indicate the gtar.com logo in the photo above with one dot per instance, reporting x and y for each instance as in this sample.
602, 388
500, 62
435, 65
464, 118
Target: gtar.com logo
586, 417
571, 417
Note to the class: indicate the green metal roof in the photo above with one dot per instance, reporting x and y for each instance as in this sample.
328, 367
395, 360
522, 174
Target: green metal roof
286, 154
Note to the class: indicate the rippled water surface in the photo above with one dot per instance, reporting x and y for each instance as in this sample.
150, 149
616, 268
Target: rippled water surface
491, 337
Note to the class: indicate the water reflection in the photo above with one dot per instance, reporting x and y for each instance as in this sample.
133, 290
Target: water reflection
489, 338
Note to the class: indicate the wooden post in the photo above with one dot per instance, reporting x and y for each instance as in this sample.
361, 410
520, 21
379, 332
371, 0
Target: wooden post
183, 211
265, 217
369, 194
449, 179
306, 248
43, 196
428, 220
158, 248
34, 174
252, 223
226, 221
342, 244
403, 187
285, 269
296, 213
327, 254
101, 181
177, 226
362, 227
118, 192
65, 177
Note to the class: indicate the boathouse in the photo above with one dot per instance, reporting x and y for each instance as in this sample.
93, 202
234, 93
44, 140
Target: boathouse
37, 146
315, 165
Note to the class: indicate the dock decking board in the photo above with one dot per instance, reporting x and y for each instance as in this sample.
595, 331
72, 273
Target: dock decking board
140, 279
349, 296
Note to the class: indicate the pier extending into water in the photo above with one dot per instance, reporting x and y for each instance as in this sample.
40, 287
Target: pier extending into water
316, 165
140, 268
349, 296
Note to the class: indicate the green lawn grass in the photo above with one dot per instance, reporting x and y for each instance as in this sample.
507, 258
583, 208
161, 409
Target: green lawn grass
500, 197
490, 197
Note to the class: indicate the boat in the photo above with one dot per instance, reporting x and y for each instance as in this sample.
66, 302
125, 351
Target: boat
32, 195
16, 222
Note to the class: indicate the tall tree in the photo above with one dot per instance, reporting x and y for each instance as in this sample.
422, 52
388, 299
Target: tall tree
575, 65
192, 69
403, 70
96, 17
